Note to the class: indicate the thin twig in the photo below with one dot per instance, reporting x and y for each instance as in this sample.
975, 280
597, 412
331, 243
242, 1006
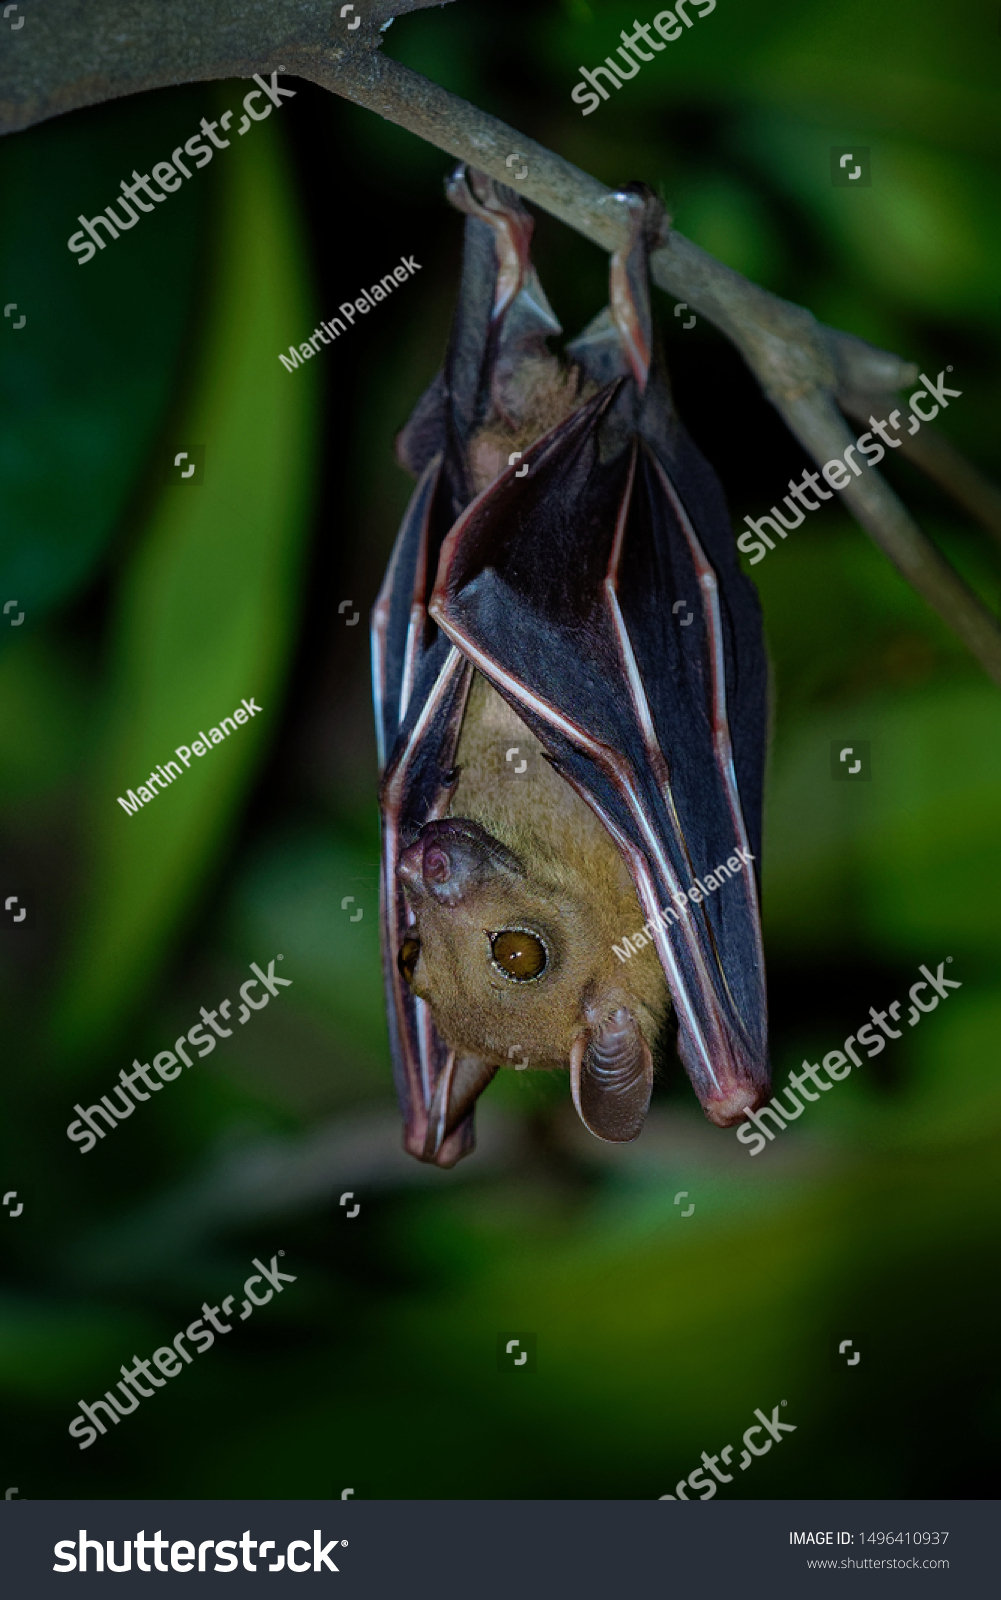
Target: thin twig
77, 56
818, 425
939, 458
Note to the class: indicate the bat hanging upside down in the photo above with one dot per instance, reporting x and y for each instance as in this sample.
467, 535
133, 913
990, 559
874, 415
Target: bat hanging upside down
529, 611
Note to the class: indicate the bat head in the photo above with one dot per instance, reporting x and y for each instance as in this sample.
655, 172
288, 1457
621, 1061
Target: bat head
513, 953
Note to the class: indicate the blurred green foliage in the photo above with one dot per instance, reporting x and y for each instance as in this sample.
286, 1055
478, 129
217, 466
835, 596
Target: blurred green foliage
205, 610
85, 388
151, 609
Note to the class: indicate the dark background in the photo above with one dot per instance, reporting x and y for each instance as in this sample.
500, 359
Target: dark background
151, 609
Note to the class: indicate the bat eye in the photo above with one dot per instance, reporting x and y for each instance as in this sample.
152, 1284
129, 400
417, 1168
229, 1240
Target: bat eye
519, 954
410, 949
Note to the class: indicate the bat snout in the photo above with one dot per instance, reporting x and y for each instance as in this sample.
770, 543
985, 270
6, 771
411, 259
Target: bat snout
451, 857
430, 867
410, 867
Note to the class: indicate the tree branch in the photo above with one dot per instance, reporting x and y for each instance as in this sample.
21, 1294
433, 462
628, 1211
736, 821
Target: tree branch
75, 53
76, 56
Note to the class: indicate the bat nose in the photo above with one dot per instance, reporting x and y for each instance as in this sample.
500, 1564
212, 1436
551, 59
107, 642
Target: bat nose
452, 857
429, 866
410, 867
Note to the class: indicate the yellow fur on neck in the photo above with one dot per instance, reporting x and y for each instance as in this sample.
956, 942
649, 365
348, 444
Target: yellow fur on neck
567, 854
550, 395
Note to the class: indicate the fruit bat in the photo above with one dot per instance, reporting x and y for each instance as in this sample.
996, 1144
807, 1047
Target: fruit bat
563, 756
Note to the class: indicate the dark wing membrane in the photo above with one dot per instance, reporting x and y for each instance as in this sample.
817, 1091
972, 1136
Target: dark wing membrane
399, 621
420, 684
745, 662
664, 561
560, 588
416, 788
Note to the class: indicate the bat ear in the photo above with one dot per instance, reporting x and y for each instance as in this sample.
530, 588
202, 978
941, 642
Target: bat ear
611, 1077
460, 1085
